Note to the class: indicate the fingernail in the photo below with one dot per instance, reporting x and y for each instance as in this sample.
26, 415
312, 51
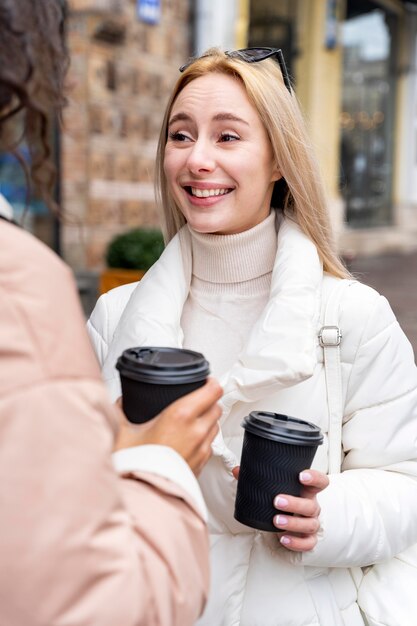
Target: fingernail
281, 520
305, 477
280, 502
285, 540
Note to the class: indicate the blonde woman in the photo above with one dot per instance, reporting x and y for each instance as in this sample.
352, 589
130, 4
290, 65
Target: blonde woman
245, 278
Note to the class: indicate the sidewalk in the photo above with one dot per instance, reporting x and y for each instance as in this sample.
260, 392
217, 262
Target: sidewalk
395, 277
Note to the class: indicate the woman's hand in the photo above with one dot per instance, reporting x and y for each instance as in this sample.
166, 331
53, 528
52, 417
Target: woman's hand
299, 531
188, 425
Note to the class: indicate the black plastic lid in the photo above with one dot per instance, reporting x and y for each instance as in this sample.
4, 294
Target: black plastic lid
163, 365
282, 428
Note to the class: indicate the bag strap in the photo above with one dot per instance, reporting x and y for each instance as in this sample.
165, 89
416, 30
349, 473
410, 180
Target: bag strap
330, 337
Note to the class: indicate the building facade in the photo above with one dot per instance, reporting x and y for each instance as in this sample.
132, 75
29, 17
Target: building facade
125, 56
354, 67
353, 63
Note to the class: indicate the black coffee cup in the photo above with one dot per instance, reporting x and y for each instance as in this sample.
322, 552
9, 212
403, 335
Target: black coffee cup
154, 377
276, 448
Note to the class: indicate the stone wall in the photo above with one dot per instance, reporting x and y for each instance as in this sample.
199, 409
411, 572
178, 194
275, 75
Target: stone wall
122, 70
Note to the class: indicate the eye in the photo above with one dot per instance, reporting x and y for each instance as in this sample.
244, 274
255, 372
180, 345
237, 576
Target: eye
225, 137
178, 136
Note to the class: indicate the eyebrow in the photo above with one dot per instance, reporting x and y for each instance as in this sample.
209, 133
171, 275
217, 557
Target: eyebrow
219, 117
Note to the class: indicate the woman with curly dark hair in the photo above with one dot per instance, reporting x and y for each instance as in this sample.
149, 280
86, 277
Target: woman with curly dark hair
81, 543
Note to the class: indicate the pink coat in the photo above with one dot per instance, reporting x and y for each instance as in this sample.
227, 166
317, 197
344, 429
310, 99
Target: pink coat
79, 545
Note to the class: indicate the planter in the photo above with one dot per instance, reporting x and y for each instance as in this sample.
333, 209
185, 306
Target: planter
126, 253
114, 277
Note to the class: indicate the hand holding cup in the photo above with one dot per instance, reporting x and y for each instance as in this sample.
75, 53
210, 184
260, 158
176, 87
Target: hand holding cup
188, 425
276, 449
300, 528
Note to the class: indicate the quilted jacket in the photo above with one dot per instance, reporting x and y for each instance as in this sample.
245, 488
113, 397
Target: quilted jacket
369, 511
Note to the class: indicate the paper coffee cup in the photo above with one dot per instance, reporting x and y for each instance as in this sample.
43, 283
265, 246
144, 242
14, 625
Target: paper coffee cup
153, 377
276, 448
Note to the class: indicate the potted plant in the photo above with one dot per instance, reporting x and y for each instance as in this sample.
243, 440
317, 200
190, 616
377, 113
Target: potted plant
129, 255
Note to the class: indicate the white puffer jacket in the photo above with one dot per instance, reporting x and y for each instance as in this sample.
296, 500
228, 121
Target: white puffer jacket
369, 511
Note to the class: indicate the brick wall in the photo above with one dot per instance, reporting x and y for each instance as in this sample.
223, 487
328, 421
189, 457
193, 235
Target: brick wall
121, 74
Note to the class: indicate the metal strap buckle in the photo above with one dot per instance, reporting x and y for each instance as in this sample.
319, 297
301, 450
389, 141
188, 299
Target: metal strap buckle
330, 336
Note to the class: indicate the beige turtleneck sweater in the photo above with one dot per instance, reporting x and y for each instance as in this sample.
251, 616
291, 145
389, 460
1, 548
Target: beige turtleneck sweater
229, 288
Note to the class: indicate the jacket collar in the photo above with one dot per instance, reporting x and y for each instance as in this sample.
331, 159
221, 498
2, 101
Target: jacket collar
281, 349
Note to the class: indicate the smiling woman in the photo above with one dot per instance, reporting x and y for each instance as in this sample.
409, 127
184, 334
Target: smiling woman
213, 154
245, 279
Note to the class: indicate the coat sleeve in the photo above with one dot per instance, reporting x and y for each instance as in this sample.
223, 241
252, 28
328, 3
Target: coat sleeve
79, 544
369, 511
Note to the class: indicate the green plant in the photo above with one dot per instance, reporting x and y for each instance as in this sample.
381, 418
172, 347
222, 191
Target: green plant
138, 248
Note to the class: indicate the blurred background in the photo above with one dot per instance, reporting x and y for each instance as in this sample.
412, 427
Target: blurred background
353, 64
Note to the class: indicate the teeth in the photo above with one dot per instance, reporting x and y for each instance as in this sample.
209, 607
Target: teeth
207, 193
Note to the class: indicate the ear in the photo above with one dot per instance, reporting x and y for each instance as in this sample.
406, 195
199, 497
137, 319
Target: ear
275, 174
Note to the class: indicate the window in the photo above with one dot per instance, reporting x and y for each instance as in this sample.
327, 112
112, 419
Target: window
367, 116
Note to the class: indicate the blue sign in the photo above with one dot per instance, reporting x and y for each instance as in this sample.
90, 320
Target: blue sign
149, 11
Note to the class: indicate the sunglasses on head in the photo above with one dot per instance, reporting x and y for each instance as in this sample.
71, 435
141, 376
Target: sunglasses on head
252, 55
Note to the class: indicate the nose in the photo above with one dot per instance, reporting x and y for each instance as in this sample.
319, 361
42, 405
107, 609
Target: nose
201, 157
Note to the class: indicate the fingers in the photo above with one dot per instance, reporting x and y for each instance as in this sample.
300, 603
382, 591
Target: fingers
307, 507
298, 544
313, 482
196, 416
213, 414
294, 524
199, 402
235, 471
204, 452
301, 527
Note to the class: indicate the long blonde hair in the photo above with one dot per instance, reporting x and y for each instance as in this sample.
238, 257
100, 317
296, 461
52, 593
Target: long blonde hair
300, 193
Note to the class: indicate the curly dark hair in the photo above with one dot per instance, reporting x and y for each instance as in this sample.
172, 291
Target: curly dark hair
33, 64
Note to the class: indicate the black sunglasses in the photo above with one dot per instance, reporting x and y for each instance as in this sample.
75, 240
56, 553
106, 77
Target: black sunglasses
252, 55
